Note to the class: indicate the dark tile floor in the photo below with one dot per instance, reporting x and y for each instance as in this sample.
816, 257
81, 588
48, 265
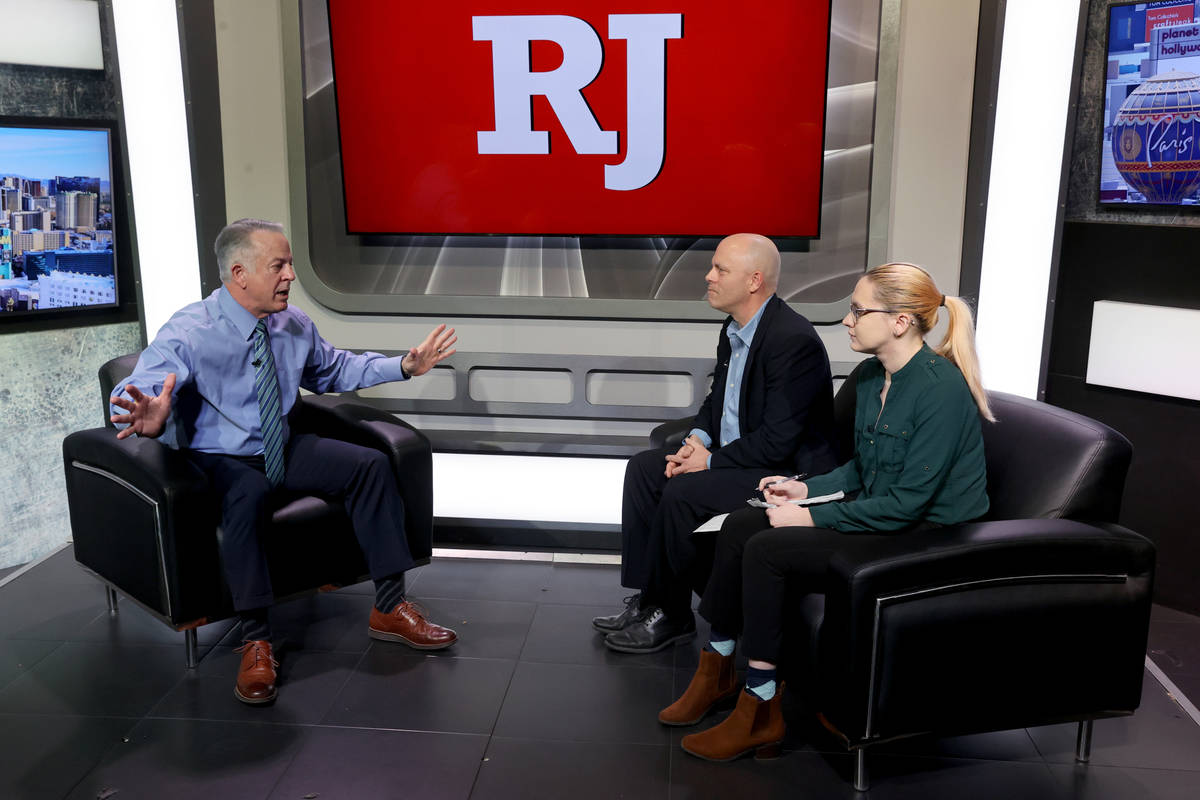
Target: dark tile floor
529, 704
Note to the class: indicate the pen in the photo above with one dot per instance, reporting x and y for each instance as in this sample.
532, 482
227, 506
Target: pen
795, 477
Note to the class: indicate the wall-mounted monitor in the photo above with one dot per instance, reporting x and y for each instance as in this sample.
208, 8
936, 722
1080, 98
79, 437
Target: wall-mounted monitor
56, 217
636, 119
1150, 153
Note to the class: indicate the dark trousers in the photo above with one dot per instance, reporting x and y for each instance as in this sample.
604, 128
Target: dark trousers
753, 567
659, 554
358, 476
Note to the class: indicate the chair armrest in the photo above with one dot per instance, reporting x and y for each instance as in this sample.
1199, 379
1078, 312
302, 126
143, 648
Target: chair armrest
408, 449
142, 518
1051, 615
147, 465
671, 434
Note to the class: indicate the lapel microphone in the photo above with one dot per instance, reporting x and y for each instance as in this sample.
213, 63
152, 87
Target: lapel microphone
256, 362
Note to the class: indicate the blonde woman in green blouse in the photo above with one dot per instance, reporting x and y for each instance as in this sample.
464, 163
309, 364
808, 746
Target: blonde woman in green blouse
918, 464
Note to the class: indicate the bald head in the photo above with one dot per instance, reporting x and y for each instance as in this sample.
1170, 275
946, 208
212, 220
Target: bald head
744, 275
754, 253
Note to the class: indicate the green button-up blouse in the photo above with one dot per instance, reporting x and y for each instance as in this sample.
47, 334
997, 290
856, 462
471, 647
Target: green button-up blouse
919, 457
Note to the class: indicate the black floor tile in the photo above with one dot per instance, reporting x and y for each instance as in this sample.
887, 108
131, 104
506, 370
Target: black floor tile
485, 628
18, 655
133, 625
586, 584
514, 581
900, 778
368, 764
43, 757
1094, 782
48, 611
571, 702
563, 634
1164, 614
1175, 647
6, 571
95, 680
61, 568
1189, 685
1014, 745
391, 688
327, 621
537, 770
807, 775
308, 682
1159, 735
193, 760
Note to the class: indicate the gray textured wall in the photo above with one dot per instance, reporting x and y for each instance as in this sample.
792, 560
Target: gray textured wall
48, 384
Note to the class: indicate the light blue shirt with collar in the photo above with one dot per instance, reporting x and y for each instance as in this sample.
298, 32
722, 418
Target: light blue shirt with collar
740, 339
209, 346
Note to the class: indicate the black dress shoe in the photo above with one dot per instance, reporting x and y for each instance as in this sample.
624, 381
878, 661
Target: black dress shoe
619, 622
654, 632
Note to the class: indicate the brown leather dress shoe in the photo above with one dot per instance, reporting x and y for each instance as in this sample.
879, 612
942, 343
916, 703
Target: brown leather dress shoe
713, 682
754, 725
406, 624
256, 677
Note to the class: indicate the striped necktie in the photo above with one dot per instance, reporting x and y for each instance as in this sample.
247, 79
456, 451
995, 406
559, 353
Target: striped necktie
266, 385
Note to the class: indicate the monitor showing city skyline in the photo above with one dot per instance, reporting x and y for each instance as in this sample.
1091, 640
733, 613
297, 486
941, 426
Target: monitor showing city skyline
56, 217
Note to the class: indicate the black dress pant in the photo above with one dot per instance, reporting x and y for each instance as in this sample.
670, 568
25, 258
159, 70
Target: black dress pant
360, 477
659, 554
753, 567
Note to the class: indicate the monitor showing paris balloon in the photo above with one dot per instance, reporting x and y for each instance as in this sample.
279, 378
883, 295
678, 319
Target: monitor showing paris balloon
1150, 152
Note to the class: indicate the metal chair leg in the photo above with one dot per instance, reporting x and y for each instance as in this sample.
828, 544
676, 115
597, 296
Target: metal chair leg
110, 595
1083, 742
189, 647
861, 779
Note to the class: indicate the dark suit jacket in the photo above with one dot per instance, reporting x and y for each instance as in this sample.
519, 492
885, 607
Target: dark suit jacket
786, 410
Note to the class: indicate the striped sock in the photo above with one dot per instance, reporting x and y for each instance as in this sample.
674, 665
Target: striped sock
389, 592
719, 643
256, 625
760, 682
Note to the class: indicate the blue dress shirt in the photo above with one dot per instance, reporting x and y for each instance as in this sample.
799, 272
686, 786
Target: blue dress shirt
740, 340
209, 346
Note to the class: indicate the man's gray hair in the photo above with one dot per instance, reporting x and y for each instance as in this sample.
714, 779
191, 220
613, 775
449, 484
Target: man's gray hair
234, 243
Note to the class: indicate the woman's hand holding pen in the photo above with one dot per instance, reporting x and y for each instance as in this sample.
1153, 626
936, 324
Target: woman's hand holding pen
778, 489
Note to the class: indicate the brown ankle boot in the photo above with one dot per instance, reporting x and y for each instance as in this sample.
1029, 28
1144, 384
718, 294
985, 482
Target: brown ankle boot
713, 682
754, 725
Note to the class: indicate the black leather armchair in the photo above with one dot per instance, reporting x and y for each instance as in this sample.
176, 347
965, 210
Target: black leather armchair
145, 523
1037, 614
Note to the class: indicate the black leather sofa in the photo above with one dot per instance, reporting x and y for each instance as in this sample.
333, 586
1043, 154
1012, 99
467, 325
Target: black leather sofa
1037, 614
145, 523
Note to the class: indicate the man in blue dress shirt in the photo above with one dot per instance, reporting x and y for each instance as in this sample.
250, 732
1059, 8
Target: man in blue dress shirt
242, 354
770, 411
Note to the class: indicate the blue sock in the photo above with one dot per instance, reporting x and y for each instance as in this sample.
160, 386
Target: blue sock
719, 643
760, 682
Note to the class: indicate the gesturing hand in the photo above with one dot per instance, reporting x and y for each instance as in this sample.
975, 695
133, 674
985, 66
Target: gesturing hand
438, 345
147, 415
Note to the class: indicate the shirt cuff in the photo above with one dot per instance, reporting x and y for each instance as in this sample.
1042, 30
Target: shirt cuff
392, 369
703, 436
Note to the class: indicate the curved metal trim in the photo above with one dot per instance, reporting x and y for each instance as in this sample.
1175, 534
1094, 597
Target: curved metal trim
880, 602
158, 524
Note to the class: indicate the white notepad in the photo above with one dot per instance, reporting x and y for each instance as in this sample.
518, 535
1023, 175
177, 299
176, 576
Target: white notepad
716, 522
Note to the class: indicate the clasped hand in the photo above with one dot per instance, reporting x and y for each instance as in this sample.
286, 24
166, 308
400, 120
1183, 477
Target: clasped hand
692, 456
778, 490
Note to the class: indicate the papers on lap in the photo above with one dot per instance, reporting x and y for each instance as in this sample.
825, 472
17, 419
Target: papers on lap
716, 522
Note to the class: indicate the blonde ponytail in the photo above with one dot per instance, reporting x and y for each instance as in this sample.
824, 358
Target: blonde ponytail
959, 347
903, 287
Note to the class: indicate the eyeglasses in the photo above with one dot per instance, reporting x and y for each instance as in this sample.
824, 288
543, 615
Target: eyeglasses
859, 311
